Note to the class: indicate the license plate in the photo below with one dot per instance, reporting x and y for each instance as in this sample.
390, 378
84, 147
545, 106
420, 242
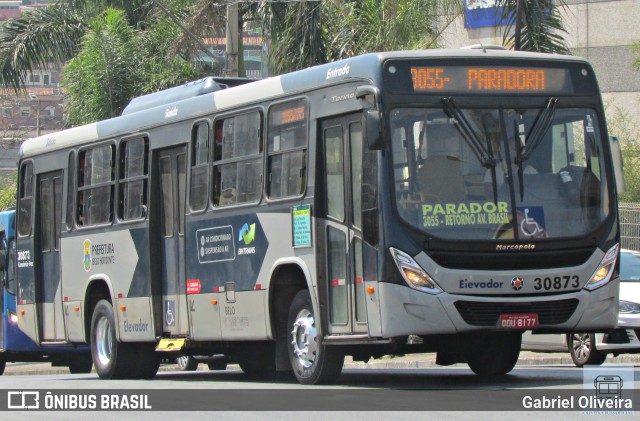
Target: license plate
518, 321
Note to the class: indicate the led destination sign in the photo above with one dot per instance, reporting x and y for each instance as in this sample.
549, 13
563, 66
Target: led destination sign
487, 79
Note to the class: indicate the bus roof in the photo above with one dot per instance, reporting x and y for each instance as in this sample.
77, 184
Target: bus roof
203, 97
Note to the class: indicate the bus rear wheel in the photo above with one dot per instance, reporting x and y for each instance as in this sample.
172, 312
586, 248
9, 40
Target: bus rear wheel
111, 359
311, 361
494, 355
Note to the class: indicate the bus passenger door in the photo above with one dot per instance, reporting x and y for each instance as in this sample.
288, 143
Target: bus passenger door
172, 166
47, 239
342, 142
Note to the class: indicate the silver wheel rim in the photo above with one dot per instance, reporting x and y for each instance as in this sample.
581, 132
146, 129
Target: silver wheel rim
304, 339
183, 361
581, 345
104, 341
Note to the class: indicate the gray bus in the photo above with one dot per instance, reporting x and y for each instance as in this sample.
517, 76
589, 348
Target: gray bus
402, 202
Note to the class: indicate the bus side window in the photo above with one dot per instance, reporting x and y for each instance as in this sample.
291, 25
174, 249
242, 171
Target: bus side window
287, 149
96, 185
237, 171
25, 202
71, 172
134, 171
198, 195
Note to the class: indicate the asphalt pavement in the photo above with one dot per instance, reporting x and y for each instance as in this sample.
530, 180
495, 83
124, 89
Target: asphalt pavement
392, 362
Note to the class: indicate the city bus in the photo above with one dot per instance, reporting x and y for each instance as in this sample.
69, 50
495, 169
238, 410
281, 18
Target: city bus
400, 202
15, 345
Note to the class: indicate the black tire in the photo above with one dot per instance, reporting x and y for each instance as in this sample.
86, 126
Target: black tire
258, 360
218, 363
187, 363
81, 364
111, 359
3, 365
148, 361
311, 361
582, 348
493, 355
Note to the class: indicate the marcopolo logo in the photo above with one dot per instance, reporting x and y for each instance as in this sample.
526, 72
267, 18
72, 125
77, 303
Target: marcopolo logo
86, 244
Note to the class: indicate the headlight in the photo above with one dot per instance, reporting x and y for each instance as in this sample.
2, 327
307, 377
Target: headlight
13, 317
629, 307
413, 274
603, 274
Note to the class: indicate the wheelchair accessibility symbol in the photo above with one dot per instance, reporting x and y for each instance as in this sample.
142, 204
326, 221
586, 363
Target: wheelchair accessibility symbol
531, 222
169, 313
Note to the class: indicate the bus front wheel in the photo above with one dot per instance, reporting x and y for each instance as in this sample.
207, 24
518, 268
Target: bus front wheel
494, 355
311, 361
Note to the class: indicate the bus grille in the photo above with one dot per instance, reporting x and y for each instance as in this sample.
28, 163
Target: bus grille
486, 314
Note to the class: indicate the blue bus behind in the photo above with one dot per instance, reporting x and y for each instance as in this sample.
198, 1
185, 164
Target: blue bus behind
15, 346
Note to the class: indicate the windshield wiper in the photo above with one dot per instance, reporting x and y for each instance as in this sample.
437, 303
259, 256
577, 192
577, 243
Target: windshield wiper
468, 132
538, 130
472, 138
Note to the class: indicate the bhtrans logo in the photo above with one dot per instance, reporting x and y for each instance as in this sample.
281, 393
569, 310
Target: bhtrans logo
338, 71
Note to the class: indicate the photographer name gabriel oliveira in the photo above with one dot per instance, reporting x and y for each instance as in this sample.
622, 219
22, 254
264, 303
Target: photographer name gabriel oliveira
571, 402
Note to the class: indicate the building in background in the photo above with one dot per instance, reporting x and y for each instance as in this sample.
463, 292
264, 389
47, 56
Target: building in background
39, 109
253, 48
602, 31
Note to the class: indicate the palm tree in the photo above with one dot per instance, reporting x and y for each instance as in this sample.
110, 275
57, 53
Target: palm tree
100, 79
52, 35
539, 27
93, 34
304, 34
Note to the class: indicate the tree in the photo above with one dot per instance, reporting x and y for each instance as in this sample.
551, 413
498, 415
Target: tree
8, 189
110, 49
304, 34
100, 79
53, 34
636, 63
622, 125
540, 28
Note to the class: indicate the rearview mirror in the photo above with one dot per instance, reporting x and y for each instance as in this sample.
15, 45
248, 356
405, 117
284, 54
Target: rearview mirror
369, 97
616, 157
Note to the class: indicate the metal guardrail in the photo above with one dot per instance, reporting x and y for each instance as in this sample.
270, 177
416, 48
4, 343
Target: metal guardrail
629, 225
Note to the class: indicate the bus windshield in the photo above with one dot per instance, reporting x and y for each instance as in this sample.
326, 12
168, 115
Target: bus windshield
501, 173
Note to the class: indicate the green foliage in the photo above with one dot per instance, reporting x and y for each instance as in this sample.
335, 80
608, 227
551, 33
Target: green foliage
542, 26
8, 189
622, 125
636, 63
104, 75
116, 63
376, 25
304, 34
44, 35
